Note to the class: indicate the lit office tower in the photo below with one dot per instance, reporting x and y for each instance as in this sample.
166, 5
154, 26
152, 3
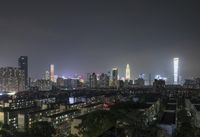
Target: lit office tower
176, 70
46, 77
52, 73
115, 77
93, 83
104, 81
12, 79
23, 65
128, 73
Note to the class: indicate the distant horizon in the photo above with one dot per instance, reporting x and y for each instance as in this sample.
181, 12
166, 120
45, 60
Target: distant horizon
121, 73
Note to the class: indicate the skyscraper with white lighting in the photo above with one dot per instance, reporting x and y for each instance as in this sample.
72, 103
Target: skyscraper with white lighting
128, 73
52, 73
176, 71
47, 75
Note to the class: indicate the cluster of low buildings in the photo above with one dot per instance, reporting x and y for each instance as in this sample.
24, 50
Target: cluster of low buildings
59, 108
149, 109
62, 109
192, 83
193, 106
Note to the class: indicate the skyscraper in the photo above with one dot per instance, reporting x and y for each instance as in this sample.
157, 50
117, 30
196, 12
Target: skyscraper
23, 65
47, 75
128, 73
176, 71
11, 79
115, 77
104, 81
52, 73
93, 80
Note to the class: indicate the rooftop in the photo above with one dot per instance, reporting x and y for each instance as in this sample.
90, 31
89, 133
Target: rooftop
63, 113
92, 105
197, 107
195, 101
168, 118
170, 107
172, 101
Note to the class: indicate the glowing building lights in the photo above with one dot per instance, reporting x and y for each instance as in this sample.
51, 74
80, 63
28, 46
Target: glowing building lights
52, 73
128, 73
176, 70
159, 77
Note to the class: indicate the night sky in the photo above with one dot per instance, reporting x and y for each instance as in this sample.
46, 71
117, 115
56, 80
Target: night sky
94, 36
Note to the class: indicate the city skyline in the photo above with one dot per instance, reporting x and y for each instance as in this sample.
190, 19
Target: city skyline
99, 68
123, 74
96, 36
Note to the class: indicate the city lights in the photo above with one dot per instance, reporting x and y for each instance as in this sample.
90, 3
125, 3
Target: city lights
128, 73
176, 71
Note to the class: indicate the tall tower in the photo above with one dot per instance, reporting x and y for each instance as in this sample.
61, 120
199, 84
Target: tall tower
176, 71
128, 73
115, 77
93, 83
52, 73
47, 74
23, 65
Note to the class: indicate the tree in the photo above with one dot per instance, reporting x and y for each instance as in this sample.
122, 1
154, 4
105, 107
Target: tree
185, 128
6, 130
95, 123
42, 129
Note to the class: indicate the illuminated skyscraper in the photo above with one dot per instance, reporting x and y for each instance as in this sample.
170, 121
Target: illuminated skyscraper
176, 71
12, 79
128, 73
104, 81
52, 73
115, 77
23, 65
47, 75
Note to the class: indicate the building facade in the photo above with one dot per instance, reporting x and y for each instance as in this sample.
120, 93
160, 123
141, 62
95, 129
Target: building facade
23, 65
104, 81
12, 79
115, 77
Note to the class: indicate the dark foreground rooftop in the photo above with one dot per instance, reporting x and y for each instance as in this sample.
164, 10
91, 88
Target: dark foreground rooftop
168, 118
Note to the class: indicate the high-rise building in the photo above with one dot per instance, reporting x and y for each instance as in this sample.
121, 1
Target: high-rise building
68, 83
75, 83
23, 65
11, 79
43, 85
60, 82
115, 77
47, 75
88, 77
52, 73
72, 83
139, 82
103, 81
176, 71
93, 80
128, 73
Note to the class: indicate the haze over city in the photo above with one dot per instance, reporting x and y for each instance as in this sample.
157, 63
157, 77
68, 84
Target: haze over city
95, 36
99, 68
